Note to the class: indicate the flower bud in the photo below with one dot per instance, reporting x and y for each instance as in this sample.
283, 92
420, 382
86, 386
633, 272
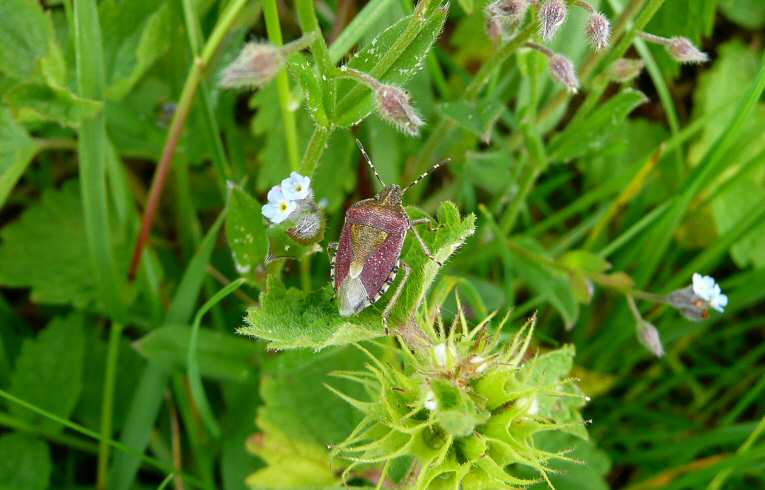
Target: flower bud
648, 335
625, 69
256, 65
683, 50
694, 301
563, 69
552, 16
394, 106
515, 10
309, 222
598, 31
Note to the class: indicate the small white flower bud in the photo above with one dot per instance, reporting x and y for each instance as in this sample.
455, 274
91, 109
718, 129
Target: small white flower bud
563, 70
430, 401
552, 16
598, 31
439, 351
256, 65
648, 335
625, 69
394, 106
683, 50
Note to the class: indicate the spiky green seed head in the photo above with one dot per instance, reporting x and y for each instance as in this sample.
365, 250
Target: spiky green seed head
461, 409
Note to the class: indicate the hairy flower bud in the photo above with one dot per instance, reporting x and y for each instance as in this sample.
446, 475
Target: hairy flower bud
683, 50
394, 106
625, 69
598, 31
563, 70
513, 9
256, 65
649, 336
552, 16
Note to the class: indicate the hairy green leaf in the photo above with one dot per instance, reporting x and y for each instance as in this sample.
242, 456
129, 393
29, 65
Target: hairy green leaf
48, 371
25, 462
25, 34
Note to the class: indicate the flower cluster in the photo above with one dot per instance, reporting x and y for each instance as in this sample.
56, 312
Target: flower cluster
694, 301
293, 200
465, 408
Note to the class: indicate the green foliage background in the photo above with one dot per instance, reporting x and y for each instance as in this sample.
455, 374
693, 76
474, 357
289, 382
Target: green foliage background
116, 382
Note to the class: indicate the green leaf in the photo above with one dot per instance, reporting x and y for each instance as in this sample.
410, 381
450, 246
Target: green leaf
25, 36
135, 35
88, 410
590, 134
301, 417
48, 371
374, 58
335, 176
550, 370
221, 356
588, 469
550, 282
16, 152
289, 318
746, 13
245, 231
40, 102
57, 274
584, 261
307, 75
25, 462
476, 117
467, 6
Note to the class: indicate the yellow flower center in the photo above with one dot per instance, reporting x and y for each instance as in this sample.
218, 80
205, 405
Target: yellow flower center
283, 206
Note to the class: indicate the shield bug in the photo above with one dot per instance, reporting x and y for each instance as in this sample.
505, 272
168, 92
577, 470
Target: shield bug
367, 258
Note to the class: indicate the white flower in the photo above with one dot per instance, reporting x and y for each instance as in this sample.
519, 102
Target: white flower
279, 207
296, 186
706, 288
430, 401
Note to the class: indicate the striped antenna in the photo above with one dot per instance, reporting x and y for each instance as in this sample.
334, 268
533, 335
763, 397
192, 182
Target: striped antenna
425, 174
369, 161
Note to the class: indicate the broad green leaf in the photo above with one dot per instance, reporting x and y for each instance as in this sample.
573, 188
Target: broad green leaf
335, 176
88, 410
735, 204
25, 36
551, 283
358, 102
746, 13
301, 417
467, 6
48, 371
25, 462
288, 318
590, 134
16, 151
135, 35
476, 117
245, 231
488, 170
40, 102
57, 274
221, 356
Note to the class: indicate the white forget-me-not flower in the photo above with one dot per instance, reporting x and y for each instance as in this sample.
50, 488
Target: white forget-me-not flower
707, 289
296, 187
279, 207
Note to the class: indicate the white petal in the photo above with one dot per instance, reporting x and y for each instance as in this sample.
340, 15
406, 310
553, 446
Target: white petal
275, 194
430, 401
440, 351
719, 302
270, 211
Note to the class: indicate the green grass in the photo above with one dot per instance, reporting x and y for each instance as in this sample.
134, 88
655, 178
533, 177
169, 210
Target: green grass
117, 139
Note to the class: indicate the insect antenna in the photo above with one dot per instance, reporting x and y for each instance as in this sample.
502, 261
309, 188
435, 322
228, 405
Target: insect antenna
369, 161
425, 174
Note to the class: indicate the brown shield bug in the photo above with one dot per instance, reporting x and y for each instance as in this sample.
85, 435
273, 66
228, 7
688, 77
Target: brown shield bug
367, 258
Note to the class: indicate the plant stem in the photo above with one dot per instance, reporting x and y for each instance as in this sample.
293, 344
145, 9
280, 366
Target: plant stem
193, 80
274, 30
107, 404
314, 150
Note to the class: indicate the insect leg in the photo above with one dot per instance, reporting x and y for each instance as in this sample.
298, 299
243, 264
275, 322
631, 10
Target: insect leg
432, 224
396, 294
332, 252
425, 248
